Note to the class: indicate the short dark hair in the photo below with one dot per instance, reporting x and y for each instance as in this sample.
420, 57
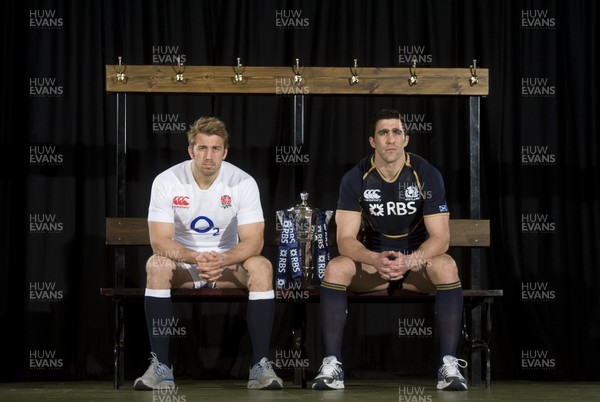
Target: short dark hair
385, 114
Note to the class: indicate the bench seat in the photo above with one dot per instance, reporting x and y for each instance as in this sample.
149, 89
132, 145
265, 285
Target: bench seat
127, 232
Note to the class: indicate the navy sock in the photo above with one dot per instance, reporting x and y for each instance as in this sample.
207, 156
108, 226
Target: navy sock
159, 320
259, 317
334, 309
448, 317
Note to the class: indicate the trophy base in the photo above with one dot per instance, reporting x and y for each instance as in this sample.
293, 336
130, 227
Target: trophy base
310, 282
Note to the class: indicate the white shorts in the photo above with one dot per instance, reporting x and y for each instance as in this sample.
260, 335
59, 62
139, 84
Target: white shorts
198, 282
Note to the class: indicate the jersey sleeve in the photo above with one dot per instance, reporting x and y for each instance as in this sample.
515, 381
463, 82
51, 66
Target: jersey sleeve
161, 204
434, 193
350, 191
250, 207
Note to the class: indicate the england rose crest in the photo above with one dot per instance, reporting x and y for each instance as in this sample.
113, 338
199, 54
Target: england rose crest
225, 201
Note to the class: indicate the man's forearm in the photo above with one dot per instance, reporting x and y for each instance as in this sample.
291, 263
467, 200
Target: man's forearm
241, 252
354, 249
430, 248
174, 251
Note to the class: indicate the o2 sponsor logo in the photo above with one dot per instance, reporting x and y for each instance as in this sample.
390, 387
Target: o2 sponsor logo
203, 224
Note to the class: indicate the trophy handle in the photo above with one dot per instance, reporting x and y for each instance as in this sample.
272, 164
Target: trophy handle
280, 216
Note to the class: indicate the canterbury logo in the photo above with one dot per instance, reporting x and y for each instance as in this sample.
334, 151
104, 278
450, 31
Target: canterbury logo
181, 201
371, 195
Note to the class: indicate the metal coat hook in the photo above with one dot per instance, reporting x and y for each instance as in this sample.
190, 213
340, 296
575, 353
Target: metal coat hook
354, 70
413, 80
473, 80
297, 73
121, 77
179, 70
238, 78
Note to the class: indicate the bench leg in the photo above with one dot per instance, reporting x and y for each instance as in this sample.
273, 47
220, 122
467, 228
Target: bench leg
298, 334
488, 353
119, 339
475, 350
478, 342
488, 368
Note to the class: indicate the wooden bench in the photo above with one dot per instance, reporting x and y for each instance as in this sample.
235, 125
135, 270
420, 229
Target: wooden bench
126, 232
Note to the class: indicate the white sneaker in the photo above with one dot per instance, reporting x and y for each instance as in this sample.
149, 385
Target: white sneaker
449, 376
331, 375
157, 376
262, 376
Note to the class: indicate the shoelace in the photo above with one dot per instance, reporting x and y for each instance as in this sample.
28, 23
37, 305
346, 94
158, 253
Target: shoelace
159, 368
162, 370
267, 365
451, 369
330, 369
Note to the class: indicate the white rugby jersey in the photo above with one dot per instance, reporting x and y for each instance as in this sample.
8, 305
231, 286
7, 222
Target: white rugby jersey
205, 219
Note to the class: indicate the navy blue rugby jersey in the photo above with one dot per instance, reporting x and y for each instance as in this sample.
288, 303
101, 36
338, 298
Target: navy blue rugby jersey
392, 213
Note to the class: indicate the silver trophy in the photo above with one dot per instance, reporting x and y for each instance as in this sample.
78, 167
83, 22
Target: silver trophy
304, 221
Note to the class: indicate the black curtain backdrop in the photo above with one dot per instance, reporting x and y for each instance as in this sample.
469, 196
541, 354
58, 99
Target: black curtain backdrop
539, 169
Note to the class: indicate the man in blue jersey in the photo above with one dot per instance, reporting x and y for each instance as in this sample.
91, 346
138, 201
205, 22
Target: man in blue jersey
392, 230
206, 230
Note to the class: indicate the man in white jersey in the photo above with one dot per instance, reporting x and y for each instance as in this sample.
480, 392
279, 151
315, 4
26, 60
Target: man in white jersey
206, 230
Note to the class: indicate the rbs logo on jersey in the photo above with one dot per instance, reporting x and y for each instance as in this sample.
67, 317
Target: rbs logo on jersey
397, 208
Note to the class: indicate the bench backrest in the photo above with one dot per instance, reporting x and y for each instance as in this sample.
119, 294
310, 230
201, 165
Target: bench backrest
134, 232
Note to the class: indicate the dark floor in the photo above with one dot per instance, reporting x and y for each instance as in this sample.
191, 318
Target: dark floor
406, 390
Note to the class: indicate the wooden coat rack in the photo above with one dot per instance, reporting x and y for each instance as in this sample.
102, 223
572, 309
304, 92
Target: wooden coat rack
241, 79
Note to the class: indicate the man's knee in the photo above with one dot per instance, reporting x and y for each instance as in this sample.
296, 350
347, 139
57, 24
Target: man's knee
445, 269
259, 268
159, 269
340, 270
